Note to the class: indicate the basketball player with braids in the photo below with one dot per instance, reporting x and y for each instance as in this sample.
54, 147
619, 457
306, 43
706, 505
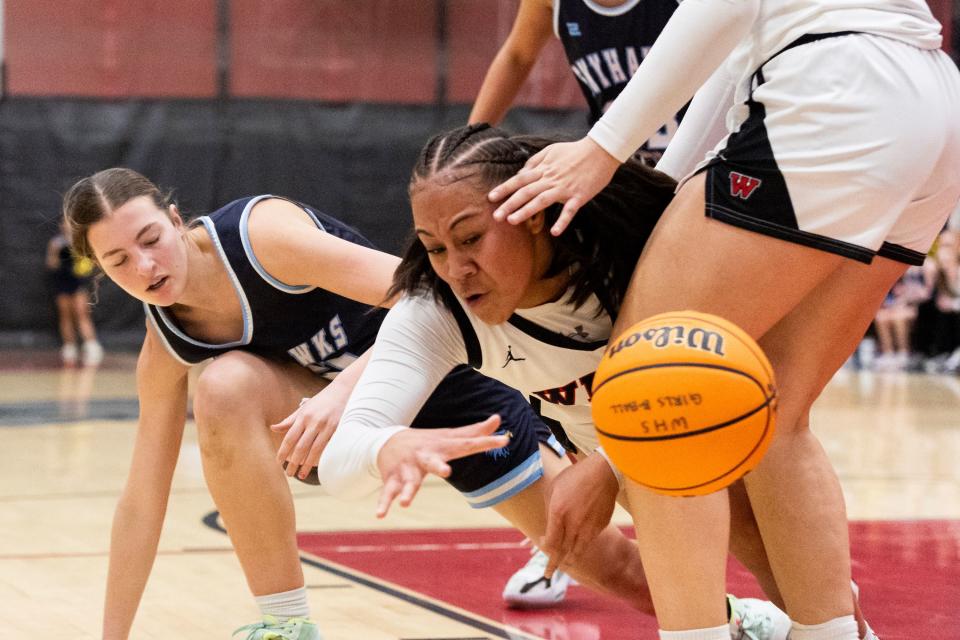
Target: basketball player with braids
280, 296
528, 309
837, 170
604, 41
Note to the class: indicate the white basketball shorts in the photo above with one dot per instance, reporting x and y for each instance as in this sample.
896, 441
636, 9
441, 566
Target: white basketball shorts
849, 143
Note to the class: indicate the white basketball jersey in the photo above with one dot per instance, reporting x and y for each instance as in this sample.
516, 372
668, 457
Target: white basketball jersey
549, 353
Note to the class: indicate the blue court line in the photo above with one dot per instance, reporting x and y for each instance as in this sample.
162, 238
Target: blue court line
20, 414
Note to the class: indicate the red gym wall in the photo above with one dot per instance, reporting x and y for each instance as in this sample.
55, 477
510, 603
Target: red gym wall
383, 51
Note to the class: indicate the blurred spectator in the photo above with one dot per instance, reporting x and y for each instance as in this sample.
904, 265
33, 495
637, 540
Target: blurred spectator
895, 318
71, 278
944, 353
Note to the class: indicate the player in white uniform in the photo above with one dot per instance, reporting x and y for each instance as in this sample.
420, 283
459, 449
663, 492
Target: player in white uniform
530, 310
845, 143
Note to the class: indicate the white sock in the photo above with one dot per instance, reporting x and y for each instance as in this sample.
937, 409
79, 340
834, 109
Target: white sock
286, 605
843, 628
714, 633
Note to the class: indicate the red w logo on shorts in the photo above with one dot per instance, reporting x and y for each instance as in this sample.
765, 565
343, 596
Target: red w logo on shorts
742, 186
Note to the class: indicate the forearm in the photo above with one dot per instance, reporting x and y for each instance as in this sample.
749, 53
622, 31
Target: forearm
670, 74
133, 547
500, 88
392, 389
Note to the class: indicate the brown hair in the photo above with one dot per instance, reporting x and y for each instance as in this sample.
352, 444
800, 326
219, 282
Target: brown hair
93, 198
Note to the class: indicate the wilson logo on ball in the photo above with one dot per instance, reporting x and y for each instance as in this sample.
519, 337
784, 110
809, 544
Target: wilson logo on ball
662, 337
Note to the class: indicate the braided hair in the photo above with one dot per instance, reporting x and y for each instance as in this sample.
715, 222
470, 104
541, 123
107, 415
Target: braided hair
600, 247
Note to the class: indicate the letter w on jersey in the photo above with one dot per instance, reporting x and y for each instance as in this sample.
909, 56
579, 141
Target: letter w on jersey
742, 186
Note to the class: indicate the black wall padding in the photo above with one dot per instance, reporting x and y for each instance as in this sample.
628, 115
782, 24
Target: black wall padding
351, 161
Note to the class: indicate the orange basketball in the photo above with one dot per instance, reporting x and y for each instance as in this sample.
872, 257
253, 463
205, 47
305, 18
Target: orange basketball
684, 403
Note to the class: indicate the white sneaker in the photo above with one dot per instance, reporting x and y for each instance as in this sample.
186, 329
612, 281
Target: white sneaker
92, 353
528, 588
272, 629
69, 354
752, 619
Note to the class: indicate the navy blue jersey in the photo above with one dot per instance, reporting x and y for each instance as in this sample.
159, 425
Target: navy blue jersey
318, 329
604, 47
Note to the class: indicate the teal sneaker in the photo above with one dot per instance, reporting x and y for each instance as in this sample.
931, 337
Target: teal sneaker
752, 619
270, 629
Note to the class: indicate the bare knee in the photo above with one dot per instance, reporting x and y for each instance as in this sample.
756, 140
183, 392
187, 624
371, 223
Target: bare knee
225, 401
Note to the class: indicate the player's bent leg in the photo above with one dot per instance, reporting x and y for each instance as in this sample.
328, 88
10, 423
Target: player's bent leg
238, 395
746, 545
806, 348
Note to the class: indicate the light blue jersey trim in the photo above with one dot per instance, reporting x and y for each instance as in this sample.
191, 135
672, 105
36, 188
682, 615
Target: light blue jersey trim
554, 444
611, 12
244, 304
248, 248
508, 485
163, 337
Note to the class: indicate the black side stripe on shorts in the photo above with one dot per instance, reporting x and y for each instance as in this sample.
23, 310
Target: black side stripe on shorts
796, 236
901, 254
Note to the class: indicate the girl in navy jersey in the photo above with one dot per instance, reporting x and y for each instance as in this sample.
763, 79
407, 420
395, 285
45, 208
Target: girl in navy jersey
839, 168
280, 296
604, 42
530, 310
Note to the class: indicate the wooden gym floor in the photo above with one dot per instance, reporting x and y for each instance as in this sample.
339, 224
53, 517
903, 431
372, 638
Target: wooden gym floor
435, 570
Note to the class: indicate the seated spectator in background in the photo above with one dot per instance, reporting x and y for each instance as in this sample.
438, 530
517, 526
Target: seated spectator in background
71, 279
895, 318
946, 295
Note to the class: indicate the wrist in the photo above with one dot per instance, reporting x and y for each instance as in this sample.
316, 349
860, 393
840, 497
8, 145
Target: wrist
616, 473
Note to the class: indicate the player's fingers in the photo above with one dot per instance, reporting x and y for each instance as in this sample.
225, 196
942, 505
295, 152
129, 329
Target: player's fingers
519, 180
483, 428
302, 448
412, 478
284, 424
515, 209
580, 544
290, 440
434, 464
552, 544
387, 495
569, 210
319, 444
553, 563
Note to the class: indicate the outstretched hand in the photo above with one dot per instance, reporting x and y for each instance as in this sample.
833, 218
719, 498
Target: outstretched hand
409, 455
568, 172
309, 429
580, 504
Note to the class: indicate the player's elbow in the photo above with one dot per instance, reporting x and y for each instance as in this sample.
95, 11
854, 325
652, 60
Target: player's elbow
341, 481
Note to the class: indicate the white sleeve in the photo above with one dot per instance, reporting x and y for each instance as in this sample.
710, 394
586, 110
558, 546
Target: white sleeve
417, 345
696, 40
703, 126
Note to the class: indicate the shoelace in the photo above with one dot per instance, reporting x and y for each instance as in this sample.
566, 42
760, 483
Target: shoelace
274, 630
